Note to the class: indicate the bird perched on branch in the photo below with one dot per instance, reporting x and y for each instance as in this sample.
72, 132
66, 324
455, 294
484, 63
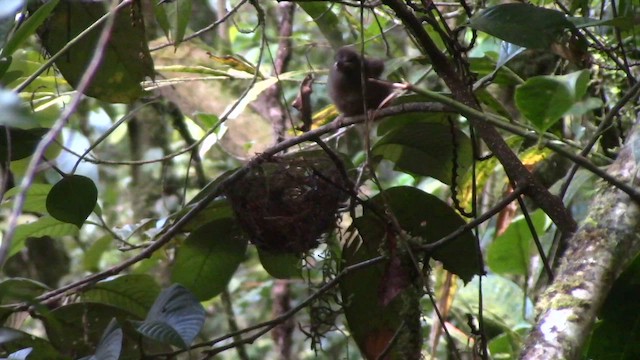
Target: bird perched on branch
345, 82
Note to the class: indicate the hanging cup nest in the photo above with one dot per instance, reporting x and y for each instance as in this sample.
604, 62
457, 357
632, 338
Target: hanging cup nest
287, 203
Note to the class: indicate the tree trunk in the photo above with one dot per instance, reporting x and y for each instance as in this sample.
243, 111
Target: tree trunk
601, 249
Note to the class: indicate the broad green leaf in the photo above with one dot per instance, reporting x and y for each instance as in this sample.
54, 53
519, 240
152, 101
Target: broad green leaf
209, 257
281, 265
162, 19
72, 199
372, 323
175, 318
110, 345
505, 305
15, 341
217, 209
429, 218
44, 226
20, 289
577, 82
178, 13
543, 100
511, 252
522, 24
134, 293
425, 149
36, 201
77, 329
28, 28
126, 61
19, 143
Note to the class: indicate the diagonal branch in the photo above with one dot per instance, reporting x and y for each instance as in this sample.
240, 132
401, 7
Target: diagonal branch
601, 249
461, 92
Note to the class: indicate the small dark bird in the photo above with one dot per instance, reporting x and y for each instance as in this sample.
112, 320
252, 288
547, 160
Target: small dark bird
345, 84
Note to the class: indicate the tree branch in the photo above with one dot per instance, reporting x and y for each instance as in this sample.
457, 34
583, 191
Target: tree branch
461, 92
601, 249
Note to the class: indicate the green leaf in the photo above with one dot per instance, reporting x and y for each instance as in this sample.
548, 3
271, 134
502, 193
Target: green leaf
372, 323
110, 345
425, 149
134, 293
510, 252
208, 258
175, 318
44, 226
13, 341
173, 17
76, 329
126, 61
72, 199
281, 265
522, 24
502, 303
28, 28
36, 201
162, 19
543, 100
577, 83
423, 215
20, 143
19, 289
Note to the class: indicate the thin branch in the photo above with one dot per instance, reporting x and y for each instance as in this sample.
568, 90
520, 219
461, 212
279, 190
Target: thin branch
60, 123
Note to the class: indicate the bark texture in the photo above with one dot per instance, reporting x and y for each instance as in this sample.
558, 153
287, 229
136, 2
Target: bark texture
598, 252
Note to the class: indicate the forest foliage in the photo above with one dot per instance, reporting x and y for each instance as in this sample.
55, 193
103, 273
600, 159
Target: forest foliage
177, 184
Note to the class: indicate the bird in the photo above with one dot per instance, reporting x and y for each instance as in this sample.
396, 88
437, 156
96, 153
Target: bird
345, 82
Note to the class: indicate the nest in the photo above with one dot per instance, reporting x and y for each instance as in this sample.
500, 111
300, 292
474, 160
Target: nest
287, 203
